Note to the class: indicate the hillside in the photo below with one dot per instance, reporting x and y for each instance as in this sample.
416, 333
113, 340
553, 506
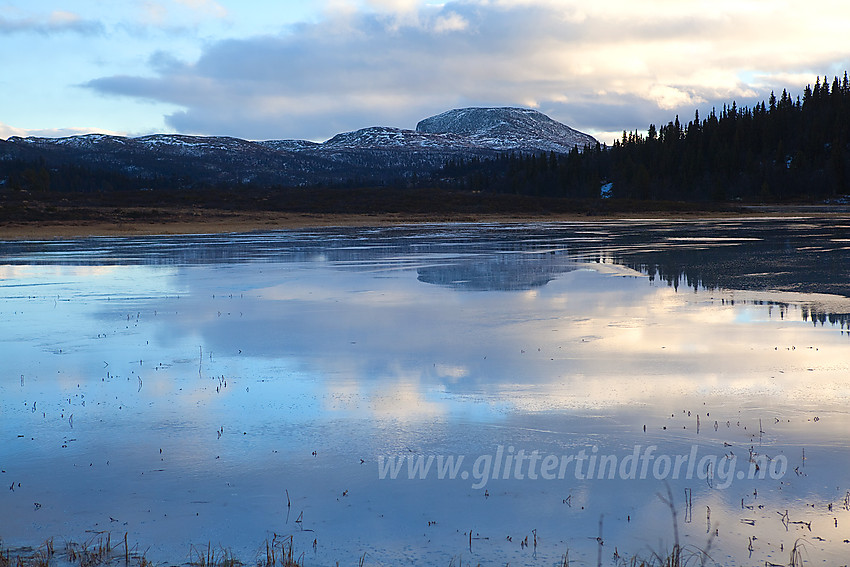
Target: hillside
376, 155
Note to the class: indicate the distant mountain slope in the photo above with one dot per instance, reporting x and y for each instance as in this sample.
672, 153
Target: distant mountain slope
520, 129
376, 154
206, 159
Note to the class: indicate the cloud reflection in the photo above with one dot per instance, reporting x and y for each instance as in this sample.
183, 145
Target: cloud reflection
588, 339
290, 363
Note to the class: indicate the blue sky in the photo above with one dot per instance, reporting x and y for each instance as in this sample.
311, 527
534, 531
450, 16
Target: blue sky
265, 69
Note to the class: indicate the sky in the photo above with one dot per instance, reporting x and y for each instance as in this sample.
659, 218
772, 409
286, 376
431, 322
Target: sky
309, 69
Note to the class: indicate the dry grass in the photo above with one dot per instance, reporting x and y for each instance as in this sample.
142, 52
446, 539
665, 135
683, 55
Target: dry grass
280, 552
98, 551
213, 557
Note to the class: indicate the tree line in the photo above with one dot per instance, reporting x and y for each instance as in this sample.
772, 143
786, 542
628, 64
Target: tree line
781, 149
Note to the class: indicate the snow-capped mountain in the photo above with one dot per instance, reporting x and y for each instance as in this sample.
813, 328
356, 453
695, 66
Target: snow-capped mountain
519, 129
378, 153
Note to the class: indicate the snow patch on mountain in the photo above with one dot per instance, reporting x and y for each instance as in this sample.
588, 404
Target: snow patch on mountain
81, 141
382, 137
520, 129
289, 145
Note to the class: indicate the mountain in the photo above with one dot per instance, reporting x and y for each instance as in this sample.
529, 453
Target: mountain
185, 159
519, 129
374, 155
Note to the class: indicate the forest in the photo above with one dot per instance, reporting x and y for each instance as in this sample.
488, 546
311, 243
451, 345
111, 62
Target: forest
780, 150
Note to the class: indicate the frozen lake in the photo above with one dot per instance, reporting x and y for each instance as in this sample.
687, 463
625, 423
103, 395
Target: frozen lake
522, 383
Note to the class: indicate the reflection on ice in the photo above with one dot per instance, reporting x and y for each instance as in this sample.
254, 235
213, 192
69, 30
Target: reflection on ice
176, 388
502, 272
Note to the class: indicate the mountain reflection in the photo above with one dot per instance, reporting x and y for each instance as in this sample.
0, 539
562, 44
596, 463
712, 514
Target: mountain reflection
502, 273
800, 256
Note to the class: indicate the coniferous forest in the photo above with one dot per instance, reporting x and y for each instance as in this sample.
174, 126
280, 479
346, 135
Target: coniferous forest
785, 148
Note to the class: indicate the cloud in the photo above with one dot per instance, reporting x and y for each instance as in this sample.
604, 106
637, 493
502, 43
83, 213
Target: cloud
394, 5
393, 62
206, 7
56, 22
450, 22
176, 17
7, 131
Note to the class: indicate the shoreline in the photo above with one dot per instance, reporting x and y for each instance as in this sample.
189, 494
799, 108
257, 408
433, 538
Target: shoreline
207, 221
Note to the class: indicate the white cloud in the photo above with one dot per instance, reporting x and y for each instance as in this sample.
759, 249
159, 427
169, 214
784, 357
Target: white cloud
669, 98
58, 21
153, 12
171, 13
7, 131
62, 18
451, 22
206, 7
600, 67
394, 5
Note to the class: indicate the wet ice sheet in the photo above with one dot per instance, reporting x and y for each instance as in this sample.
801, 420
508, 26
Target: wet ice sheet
177, 388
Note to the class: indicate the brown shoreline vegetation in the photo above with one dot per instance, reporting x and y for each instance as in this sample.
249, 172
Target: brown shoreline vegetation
51, 216
102, 551
215, 222
279, 551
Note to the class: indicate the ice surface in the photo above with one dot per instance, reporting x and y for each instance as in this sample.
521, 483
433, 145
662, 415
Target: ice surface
176, 388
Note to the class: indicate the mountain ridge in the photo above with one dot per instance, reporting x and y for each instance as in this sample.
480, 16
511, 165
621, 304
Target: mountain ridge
377, 153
